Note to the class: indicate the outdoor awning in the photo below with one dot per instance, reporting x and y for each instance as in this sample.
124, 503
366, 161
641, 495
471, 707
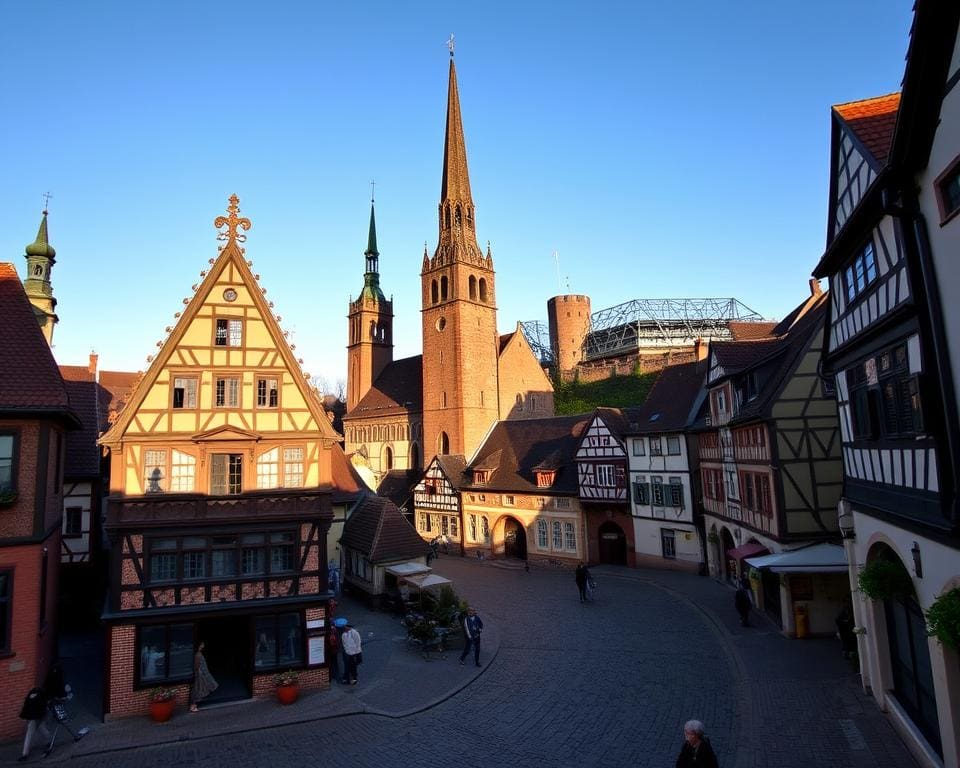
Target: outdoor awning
746, 550
425, 580
818, 558
407, 569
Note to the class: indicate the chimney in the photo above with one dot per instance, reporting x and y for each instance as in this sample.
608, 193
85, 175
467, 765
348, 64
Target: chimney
700, 349
815, 289
92, 365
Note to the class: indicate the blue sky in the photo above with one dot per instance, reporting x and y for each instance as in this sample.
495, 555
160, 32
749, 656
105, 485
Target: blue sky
662, 149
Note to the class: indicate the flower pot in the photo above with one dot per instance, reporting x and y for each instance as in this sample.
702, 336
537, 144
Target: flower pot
160, 711
287, 694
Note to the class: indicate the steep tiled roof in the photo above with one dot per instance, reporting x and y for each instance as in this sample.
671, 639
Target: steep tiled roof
397, 485
504, 340
454, 466
398, 389
527, 443
77, 373
30, 381
744, 331
872, 122
82, 452
672, 399
347, 485
380, 531
736, 356
115, 386
620, 421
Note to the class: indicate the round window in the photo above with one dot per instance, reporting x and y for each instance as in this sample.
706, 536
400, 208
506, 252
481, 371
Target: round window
441, 323
230, 294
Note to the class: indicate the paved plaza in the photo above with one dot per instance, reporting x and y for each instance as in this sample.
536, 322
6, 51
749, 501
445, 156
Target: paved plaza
608, 683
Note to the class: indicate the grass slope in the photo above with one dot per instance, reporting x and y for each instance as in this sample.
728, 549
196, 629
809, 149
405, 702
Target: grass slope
615, 392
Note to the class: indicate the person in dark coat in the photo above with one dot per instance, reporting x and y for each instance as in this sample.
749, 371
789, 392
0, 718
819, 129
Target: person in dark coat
696, 751
743, 602
848, 640
34, 710
582, 577
472, 627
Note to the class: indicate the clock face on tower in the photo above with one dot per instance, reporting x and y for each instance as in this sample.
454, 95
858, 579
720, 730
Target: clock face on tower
441, 323
230, 294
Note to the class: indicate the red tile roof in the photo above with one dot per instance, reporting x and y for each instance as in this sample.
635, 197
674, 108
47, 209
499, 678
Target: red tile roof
398, 389
82, 453
872, 122
115, 387
744, 331
77, 373
380, 531
347, 484
29, 378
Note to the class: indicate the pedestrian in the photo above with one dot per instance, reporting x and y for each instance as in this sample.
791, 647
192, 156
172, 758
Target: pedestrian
582, 576
742, 602
696, 751
34, 710
848, 640
203, 682
472, 627
352, 653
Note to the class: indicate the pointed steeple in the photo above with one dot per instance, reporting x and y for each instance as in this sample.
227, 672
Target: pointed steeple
41, 257
458, 238
371, 275
372, 237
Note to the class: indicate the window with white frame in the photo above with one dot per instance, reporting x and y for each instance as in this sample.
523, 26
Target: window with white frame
569, 537
606, 475
656, 447
293, 467
184, 392
673, 445
229, 333
638, 448
557, 529
542, 542
268, 469
227, 392
561, 503
656, 490
423, 521
183, 468
154, 471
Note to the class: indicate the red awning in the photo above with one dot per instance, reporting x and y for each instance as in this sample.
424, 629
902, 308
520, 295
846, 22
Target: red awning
749, 549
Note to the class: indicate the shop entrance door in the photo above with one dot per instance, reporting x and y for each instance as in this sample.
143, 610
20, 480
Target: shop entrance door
228, 652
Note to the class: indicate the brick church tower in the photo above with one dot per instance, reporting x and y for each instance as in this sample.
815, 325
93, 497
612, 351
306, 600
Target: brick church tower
460, 341
370, 347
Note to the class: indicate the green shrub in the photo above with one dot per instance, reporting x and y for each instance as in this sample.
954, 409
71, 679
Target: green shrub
882, 579
943, 618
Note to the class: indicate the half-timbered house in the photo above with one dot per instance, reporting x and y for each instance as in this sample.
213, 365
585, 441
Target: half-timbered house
770, 462
602, 480
220, 501
520, 497
436, 502
892, 350
35, 418
663, 465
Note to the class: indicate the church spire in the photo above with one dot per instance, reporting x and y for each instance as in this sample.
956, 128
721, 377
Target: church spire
41, 257
371, 275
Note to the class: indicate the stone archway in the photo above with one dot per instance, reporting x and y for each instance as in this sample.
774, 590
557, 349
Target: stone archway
514, 539
612, 544
726, 544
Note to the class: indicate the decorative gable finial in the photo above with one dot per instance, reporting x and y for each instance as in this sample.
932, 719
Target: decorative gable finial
232, 221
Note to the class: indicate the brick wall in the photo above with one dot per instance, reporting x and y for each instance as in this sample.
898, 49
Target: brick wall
628, 364
17, 519
122, 699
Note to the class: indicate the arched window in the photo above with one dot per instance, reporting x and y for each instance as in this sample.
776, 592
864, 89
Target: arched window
473, 287
433, 292
373, 329
443, 444
458, 217
446, 216
38, 270
542, 542
388, 458
483, 289
557, 535
443, 288
414, 456
470, 216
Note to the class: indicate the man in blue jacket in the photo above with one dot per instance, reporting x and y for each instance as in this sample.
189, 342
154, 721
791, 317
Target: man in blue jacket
472, 627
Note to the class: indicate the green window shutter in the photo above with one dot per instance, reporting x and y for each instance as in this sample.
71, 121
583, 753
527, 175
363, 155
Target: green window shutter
676, 495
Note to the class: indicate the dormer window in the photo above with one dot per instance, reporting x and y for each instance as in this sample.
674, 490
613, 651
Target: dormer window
545, 478
481, 476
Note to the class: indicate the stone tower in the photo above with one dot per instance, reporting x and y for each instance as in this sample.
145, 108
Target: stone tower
370, 321
569, 320
41, 257
460, 342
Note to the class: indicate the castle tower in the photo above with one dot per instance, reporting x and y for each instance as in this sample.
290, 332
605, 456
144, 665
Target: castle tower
569, 320
460, 342
370, 323
41, 257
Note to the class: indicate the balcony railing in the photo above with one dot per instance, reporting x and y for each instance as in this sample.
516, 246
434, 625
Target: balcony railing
168, 508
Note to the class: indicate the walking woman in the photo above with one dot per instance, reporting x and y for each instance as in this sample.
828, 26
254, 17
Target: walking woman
203, 682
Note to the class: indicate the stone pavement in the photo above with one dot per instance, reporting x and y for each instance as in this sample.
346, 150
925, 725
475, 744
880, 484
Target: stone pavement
608, 683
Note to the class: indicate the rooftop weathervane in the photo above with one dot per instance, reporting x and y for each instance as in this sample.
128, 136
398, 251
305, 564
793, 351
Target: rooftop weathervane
231, 221
450, 44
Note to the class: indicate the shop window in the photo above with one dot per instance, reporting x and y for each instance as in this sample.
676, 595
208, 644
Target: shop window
165, 653
279, 641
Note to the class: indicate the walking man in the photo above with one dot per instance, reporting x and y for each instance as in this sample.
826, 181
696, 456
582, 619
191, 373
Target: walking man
352, 654
742, 602
582, 577
472, 627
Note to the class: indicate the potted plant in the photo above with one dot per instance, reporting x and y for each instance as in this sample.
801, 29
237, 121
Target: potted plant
162, 702
943, 618
286, 683
882, 579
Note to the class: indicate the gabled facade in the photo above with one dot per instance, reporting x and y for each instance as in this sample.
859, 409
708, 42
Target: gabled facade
663, 464
892, 353
436, 501
770, 461
603, 486
35, 419
221, 486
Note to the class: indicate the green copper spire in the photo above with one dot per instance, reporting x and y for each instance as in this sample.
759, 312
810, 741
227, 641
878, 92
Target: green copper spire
41, 257
371, 277
41, 246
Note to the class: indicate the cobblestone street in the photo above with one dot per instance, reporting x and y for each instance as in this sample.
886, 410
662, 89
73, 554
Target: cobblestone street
608, 683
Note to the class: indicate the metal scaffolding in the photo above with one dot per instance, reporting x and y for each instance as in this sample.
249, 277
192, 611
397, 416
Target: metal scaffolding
649, 323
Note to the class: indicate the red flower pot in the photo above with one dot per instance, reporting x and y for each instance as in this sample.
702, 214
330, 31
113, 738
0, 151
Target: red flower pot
160, 711
287, 694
